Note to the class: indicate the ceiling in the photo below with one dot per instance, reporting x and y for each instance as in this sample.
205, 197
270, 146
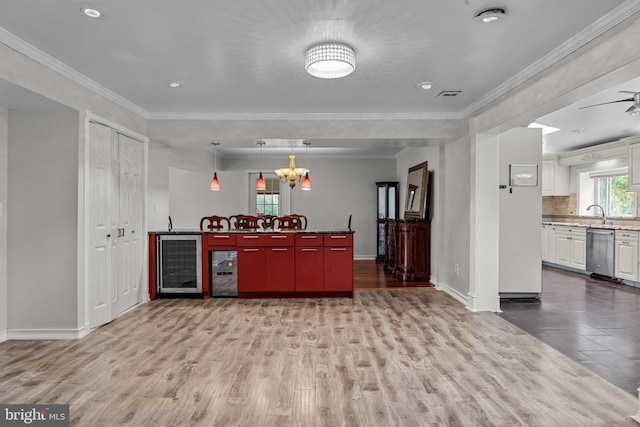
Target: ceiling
245, 58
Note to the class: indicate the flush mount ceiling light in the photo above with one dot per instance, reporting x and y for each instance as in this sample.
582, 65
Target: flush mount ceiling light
330, 60
92, 13
490, 15
175, 84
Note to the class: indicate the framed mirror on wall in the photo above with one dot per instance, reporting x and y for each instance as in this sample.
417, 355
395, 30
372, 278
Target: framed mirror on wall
416, 194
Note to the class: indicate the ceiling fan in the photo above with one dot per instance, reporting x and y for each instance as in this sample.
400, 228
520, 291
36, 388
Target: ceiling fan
634, 110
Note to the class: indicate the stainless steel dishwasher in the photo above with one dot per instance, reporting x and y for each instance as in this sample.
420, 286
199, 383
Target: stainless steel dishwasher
600, 250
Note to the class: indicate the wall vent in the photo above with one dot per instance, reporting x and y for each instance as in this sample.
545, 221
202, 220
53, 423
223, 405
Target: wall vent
450, 93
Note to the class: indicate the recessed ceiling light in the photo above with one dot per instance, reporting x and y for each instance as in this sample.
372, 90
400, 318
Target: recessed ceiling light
426, 85
635, 113
92, 13
490, 15
175, 84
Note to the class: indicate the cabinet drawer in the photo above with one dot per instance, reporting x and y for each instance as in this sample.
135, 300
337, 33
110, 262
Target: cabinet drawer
309, 240
626, 235
338, 239
279, 239
220, 239
579, 232
253, 240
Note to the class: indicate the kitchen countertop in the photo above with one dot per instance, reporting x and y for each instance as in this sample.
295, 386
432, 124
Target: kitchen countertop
602, 226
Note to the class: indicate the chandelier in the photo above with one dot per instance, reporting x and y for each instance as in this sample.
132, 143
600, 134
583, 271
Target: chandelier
330, 60
292, 173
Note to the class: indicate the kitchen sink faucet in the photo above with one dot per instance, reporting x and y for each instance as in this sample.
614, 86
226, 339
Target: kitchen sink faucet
604, 219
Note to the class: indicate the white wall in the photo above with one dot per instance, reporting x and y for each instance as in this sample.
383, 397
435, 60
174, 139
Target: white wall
455, 217
339, 187
158, 188
411, 157
42, 211
3, 222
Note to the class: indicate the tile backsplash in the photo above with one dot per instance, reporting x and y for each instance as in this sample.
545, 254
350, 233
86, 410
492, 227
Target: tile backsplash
559, 205
564, 209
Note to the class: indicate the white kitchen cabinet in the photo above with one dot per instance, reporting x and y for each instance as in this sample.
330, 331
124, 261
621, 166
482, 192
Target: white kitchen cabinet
634, 166
549, 243
571, 247
555, 178
626, 255
579, 250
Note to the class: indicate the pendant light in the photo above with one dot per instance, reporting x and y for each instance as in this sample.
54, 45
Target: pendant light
215, 184
306, 182
260, 184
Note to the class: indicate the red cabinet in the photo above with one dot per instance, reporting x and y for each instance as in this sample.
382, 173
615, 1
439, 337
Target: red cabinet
251, 269
338, 269
280, 269
309, 269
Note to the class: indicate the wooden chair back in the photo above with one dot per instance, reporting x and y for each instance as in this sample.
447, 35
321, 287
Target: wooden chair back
266, 221
244, 222
291, 222
215, 223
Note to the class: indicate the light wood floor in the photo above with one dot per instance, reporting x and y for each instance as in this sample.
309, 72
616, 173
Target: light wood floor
408, 357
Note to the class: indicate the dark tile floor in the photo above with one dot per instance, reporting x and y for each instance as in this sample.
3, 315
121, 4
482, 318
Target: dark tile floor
594, 322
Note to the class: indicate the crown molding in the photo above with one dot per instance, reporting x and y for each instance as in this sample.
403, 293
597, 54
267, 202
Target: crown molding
596, 29
610, 150
63, 69
305, 116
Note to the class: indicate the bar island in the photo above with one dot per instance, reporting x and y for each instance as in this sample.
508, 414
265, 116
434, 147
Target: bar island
259, 263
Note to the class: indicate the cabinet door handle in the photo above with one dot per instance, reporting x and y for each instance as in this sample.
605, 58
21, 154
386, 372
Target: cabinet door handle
279, 237
308, 237
249, 237
279, 249
339, 249
250, 250
220, 237
338, 237
309, 250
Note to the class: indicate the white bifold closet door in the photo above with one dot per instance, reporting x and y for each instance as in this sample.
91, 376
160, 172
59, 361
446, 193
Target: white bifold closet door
115, 191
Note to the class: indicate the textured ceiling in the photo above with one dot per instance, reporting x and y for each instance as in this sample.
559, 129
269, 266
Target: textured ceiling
245, 58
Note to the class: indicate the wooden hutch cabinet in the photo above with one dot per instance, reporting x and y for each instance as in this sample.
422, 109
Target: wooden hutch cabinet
387, 209
409, 250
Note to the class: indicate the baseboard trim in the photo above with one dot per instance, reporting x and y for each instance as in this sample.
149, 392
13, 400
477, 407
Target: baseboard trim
3, 336
364, 258
46, 334
449, 290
